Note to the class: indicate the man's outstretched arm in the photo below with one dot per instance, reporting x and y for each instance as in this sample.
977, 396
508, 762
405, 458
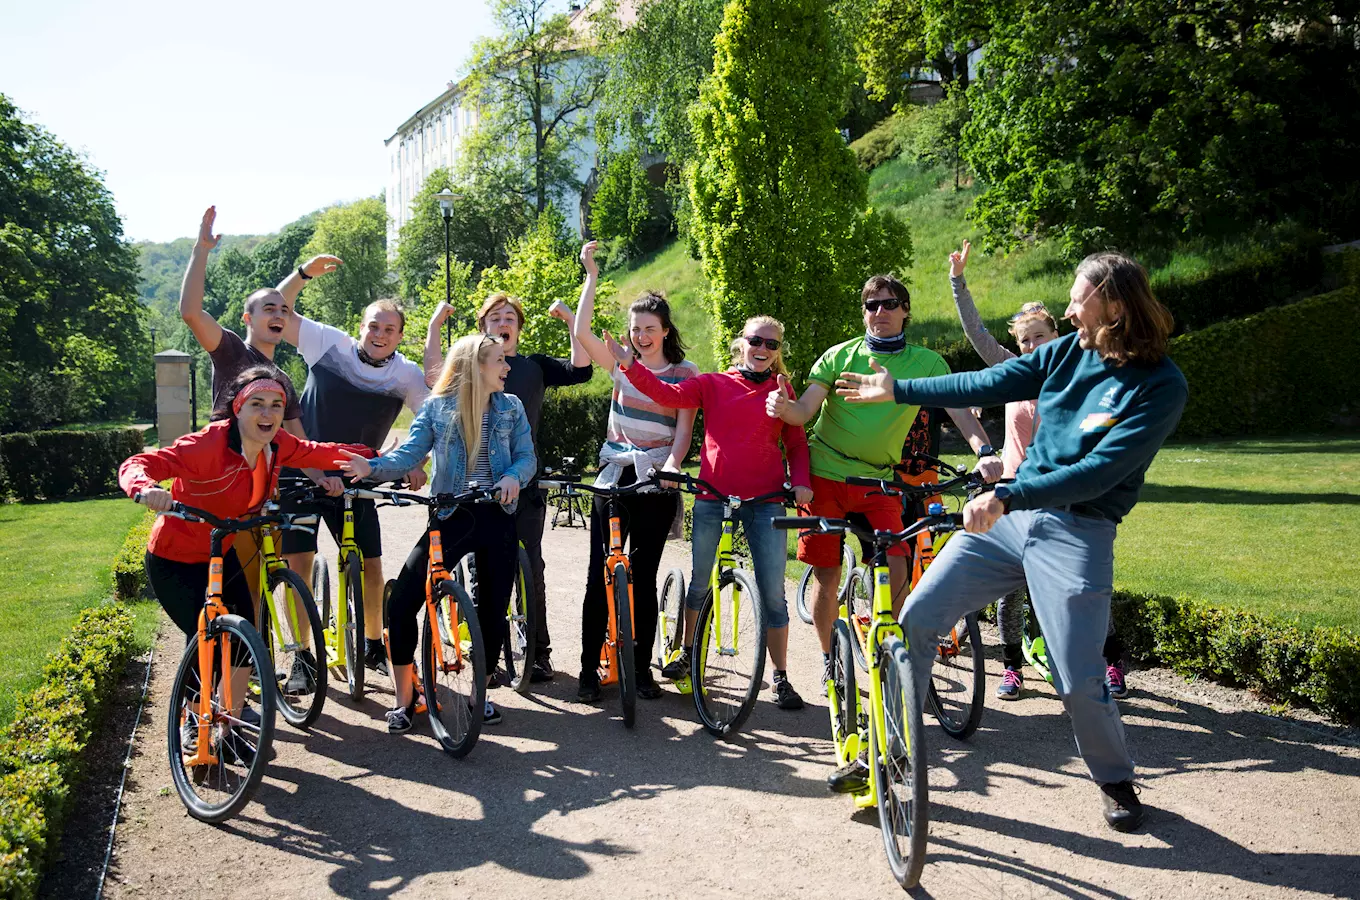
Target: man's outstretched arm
205, 328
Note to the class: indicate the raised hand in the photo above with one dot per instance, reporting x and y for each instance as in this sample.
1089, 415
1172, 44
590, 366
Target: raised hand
958, 260
354, 465
561, 312
206, 239
622, 355
777, 400
320, 265
588, 258
441, 312
875, 388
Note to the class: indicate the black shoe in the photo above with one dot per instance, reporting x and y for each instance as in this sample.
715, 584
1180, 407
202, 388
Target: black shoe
785, 696
542, 670
399, 720
302, 679
647, 687
851, 778
677, 668
375, 656
490, 714
589, 691
1123, 809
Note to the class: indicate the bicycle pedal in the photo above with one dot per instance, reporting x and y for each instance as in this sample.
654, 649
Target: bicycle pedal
684, 685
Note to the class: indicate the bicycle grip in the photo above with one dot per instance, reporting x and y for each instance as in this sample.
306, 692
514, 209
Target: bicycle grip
790, 523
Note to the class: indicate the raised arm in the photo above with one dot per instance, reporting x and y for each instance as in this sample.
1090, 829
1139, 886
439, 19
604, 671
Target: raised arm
987, 347
579, 358
291, 286
433, 358
205, 328
594, 348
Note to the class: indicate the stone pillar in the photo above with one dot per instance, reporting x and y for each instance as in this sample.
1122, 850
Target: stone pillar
173, 409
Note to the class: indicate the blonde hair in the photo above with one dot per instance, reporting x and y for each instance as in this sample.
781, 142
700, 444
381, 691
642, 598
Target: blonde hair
496, 300
755, 322
461, 378
1030, 312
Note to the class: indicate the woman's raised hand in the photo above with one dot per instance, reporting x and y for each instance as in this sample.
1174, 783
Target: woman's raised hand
588, 258
206, 239
958, 260
622, 355
354, 465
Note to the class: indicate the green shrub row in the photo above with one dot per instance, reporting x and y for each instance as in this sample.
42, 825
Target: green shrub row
1275, 657
41, 750
1289, 368
56, 464
129, 564
1267, 277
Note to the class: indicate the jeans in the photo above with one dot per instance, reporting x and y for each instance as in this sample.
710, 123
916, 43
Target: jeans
768, 554
1068, 561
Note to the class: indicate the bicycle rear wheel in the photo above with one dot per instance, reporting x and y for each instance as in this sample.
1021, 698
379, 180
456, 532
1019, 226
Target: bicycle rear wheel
623, 618
321, 589
302, 690
859, 607
354, 628
670, 624
958, 679
726, 668
216, 791
803, 602
523, 621
454, 673
845, 691
900, 765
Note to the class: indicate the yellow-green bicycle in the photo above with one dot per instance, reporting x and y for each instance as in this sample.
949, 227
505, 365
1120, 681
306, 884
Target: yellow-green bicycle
889, 730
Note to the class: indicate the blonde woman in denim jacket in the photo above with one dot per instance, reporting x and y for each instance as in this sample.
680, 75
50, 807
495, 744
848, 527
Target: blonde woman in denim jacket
478, 433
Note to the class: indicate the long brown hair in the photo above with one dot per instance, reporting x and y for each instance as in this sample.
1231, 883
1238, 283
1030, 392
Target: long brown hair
462, 377
1141, 333
654, 302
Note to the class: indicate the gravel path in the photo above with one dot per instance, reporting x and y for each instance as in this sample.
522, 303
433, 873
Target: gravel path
561, 800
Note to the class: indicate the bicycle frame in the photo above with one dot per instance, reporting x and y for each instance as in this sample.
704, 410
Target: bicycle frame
207, 647
271, 561
335, 640
609, 652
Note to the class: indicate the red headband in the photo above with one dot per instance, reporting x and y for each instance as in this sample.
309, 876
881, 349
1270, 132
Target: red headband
255, 387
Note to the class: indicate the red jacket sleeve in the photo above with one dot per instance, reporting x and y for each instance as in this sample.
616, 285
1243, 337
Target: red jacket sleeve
314, 454
796, 449
688, 394
148, 470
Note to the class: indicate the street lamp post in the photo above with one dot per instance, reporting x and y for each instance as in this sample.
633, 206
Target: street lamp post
446, 198
155, 412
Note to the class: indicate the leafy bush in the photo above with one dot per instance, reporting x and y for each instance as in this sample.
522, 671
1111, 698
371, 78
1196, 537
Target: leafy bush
1268, 277
129, 565
573, 424
878, 145
40, 751
1276, 658
1285, 369
629, 211
55, 464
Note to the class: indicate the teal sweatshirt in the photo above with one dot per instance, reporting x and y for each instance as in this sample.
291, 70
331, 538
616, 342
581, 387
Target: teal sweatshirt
1100, 424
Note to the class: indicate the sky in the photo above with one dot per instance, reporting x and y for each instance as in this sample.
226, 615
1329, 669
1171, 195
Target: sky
268, 110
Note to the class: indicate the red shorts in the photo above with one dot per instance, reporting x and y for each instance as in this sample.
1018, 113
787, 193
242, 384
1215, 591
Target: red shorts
835, 500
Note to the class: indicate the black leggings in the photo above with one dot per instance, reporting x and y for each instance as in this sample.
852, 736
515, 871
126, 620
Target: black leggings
645, 521
181, 587
483, 529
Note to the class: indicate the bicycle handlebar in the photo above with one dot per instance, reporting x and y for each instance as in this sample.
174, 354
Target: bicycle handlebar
612, 490
917, 491
289, 521
933, 462
823, 525
693, 485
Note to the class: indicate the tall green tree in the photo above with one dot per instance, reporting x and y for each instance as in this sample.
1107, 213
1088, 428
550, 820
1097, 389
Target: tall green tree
535, 83
74, 343
780, 206
357, 233
898, 43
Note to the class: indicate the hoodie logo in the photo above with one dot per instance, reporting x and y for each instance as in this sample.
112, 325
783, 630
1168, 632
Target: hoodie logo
1107, 401
1098, 421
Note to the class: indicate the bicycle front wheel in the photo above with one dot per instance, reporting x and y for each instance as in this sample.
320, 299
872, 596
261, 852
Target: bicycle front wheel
623, 619
859, 606
354, 627
295, 640
727, 660
453, 669
321, 589
216, 784
900, 765
670, 624
523, 622
958, 679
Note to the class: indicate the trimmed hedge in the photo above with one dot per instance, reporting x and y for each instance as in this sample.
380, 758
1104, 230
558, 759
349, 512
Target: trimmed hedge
1285, 369
56, 464
1266, 278
573, 424
40, 751
129, 564
1275, 657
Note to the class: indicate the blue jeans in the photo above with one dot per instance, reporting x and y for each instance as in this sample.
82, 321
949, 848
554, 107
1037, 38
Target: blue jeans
1068, 561
768, 551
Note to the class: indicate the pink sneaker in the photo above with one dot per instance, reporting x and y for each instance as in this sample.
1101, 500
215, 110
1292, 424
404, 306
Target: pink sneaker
1114, 678
1012, 682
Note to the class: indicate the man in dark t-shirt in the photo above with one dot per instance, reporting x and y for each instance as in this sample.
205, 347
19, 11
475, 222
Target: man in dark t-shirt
530, 376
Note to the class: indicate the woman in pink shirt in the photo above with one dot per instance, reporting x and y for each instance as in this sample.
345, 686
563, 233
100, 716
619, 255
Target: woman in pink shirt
1031, 327
742, 457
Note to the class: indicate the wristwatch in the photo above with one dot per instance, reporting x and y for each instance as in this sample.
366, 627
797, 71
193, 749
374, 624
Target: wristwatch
1003, 493
303, 275
985, 450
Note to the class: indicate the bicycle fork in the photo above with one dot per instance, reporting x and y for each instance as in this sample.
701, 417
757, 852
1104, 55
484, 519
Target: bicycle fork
219, 645
609, 653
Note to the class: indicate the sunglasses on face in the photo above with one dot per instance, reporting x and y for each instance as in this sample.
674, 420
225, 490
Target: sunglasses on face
890, 304
756, 342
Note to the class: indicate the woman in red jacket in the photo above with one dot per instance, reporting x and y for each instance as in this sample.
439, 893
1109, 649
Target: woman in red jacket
229, 469
742, 457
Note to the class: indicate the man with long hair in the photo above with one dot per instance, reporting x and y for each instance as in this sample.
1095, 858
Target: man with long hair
1108, 397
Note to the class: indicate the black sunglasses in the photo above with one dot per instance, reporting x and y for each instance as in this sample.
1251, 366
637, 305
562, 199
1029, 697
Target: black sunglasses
890, 304
755, 342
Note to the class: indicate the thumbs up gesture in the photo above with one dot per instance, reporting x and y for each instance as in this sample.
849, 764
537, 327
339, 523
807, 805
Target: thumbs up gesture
778, 399
858, 388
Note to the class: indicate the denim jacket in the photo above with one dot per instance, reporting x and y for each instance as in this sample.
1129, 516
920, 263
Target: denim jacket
436, 428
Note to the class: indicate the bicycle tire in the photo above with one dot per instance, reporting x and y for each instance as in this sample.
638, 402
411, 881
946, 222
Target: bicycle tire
859, 611
900, 767
724, 717
298, 710
670, 624
958, 680
455, 696
321, 588
354, 628
623, 617
845, 717
215, 793
522, 620
803, 600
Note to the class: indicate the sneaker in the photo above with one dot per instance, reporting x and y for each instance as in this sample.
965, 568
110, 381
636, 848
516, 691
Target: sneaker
302, 679
188, 738
827, 673
490, 714
647, 687
1123, 809
1012, 683
677, 668
399, 720
851, 778
785, 696
542, 670
375, 656
589, 690
1114, 678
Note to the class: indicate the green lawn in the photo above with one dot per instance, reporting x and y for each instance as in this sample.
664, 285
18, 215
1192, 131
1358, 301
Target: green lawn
54, 562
